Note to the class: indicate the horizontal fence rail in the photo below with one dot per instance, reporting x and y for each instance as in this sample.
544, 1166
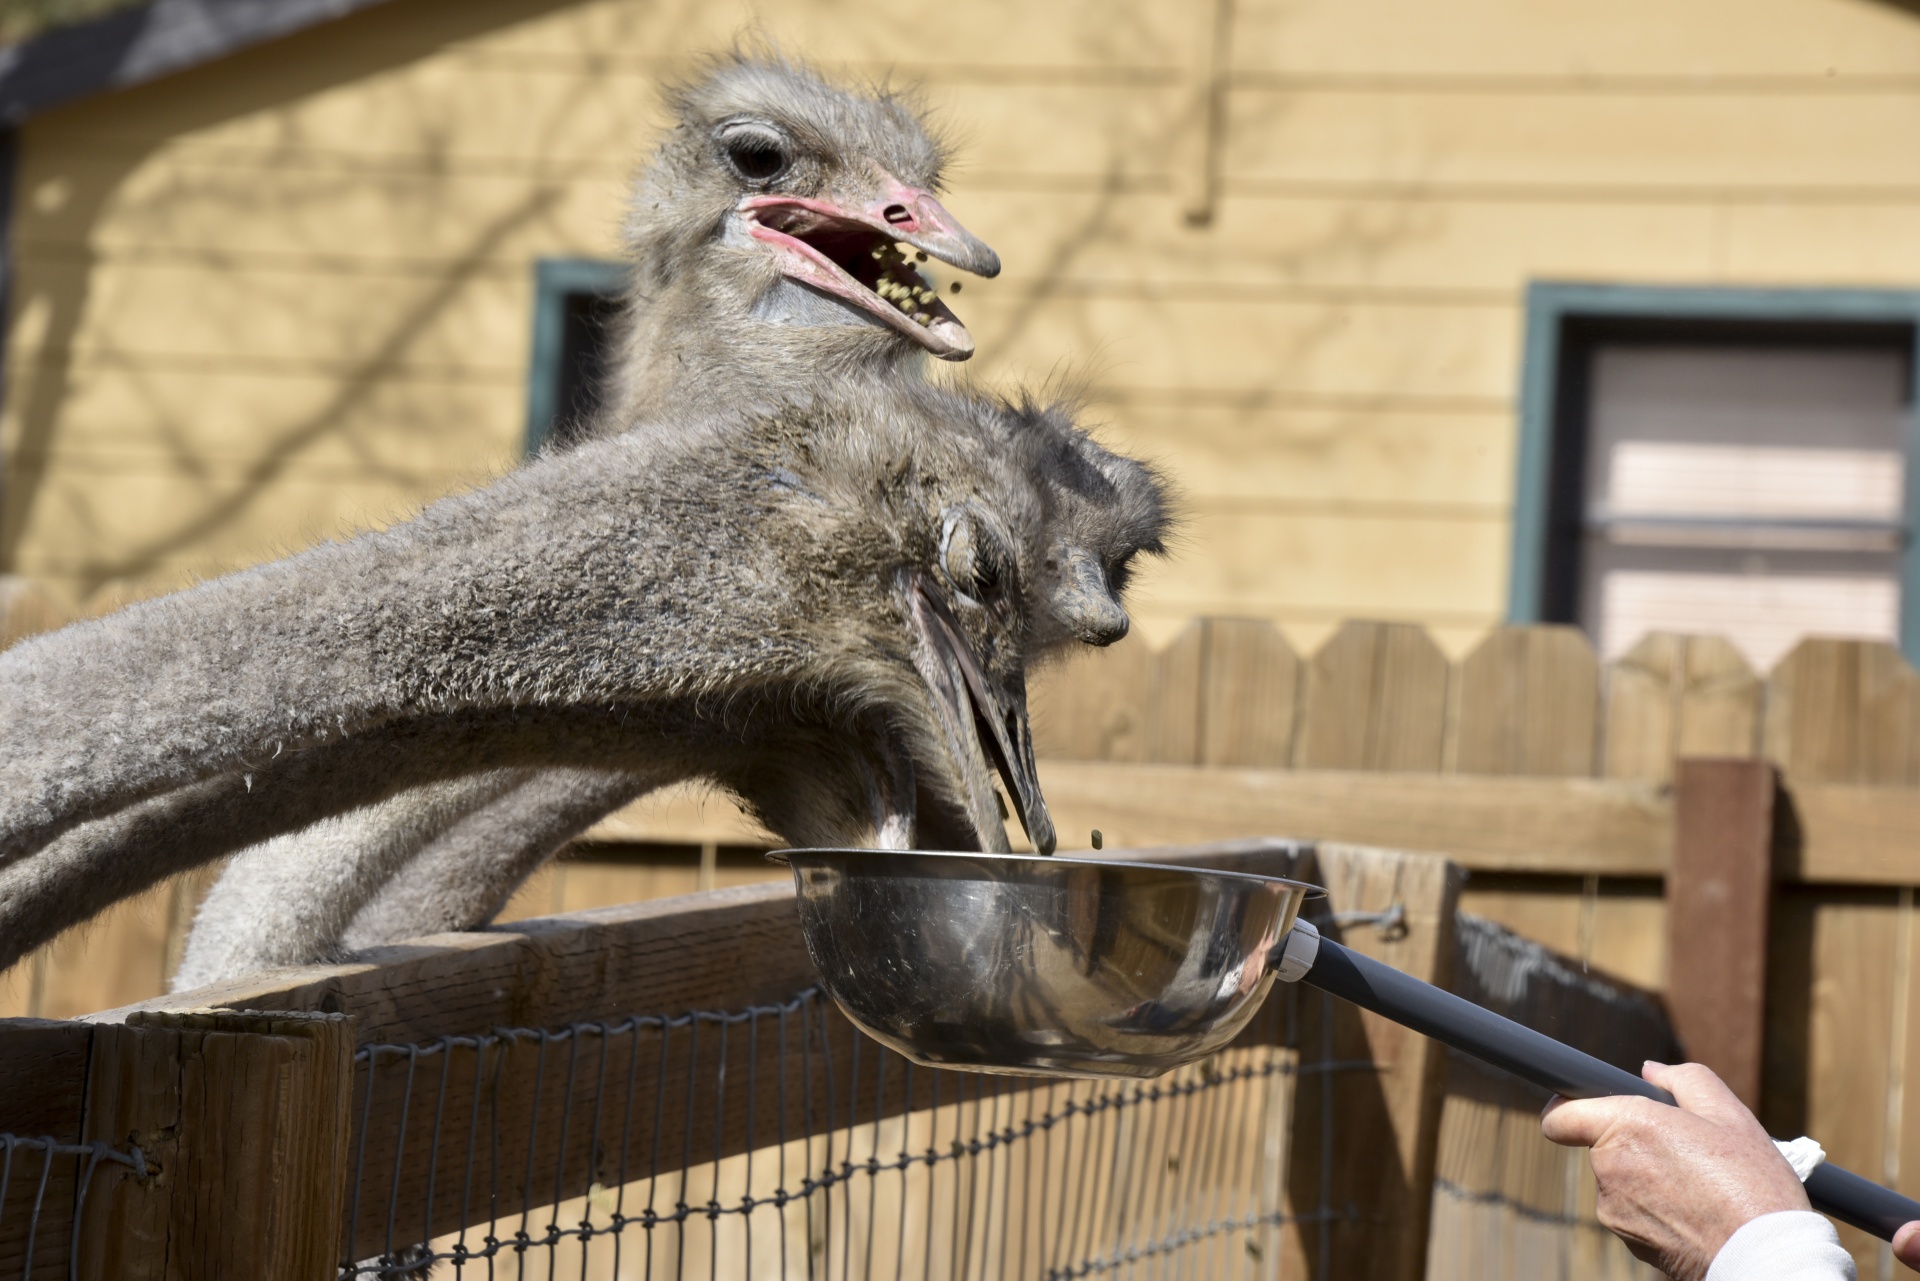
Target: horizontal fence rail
495, 1112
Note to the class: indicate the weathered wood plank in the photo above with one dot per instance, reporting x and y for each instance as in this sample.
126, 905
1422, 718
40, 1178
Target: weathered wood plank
43, 1082
1528, 703
1842, 711
1384, 1125
1844, 834
727, 948
1617, 926
1127, 703
1171, 733
43, 1074
1093, 707
1605, 827
1638, 730
1506, 1203
1719, 701
246, 1117
1249, 696
1719, 902
1854, 974
1375, 699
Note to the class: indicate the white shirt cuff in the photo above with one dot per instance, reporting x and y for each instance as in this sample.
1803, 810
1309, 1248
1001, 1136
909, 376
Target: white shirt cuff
1790, 1245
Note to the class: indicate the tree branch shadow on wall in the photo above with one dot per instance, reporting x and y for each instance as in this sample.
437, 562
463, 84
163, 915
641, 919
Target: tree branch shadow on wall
347, 50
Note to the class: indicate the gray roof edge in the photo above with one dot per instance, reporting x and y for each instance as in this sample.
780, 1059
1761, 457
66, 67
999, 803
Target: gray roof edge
132, 46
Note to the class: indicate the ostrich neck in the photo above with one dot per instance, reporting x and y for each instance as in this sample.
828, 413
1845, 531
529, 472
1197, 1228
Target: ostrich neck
627, 574
700, 348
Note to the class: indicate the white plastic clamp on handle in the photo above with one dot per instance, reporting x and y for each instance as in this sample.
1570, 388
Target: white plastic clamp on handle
1297, 956
1803, 1154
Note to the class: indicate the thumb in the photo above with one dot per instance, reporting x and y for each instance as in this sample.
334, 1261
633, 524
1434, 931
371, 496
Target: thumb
1579, 1123
1906, 1245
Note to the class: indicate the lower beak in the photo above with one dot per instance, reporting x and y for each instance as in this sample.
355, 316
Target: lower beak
984, 721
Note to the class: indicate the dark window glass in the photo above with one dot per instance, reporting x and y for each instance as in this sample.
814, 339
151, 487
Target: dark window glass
586, 336
1743, 480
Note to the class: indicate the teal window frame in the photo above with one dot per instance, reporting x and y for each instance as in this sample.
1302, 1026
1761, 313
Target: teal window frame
554, 280
1551, 307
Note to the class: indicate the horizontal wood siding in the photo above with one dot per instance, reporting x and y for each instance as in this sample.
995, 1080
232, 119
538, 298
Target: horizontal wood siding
287, 295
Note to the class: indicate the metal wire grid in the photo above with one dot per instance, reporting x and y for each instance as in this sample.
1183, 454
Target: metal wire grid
26, 1180
985, 1177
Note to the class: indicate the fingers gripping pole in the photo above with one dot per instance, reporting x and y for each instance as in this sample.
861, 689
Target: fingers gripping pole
1545, 1062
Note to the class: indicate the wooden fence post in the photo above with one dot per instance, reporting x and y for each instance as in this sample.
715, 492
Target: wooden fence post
246, 1116
1719, 899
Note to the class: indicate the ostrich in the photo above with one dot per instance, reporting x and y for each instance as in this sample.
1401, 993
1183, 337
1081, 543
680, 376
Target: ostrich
763, 237
830, 612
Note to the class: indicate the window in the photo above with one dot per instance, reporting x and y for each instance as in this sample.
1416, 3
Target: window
575, 302
1732, 462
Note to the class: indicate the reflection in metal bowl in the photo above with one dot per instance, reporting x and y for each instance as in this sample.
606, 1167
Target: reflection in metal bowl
1041, 966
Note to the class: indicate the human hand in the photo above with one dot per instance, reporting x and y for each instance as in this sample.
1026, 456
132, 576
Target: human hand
1906, 1245
1676, 1182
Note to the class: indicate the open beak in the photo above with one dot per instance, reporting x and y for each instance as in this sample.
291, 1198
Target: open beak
852, 254
981, 720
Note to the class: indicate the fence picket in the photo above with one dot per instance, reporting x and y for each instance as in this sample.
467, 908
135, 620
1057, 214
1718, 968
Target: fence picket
1375, 699
1842, 711
1528, 701
1172, 731
1250, 694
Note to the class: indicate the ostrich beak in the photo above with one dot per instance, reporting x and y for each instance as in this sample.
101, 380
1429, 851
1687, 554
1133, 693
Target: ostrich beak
850, 254
981, 719
1085, 603
913, 215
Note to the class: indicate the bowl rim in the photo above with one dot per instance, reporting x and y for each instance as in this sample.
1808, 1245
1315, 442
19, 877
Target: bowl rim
1311, 891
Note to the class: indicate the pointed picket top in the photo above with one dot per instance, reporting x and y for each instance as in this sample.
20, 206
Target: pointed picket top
1249, 694
1128, 702
1375, 698
1527, 703
1673, 695
1842, 711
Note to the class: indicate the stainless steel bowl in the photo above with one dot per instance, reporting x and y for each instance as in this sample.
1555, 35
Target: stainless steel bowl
1041, 966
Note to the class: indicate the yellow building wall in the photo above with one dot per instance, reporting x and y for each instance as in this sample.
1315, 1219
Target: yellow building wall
1282, 242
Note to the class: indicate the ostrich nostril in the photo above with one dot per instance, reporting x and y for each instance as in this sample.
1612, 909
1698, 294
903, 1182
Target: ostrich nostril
898, 215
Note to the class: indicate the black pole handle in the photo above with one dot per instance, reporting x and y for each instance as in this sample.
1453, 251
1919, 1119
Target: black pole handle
1535, 1057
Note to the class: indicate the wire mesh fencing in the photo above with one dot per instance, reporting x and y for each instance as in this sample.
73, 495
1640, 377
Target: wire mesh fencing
45, 1185
777, 1142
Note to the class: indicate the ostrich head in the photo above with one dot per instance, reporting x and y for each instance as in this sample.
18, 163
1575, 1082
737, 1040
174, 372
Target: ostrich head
765, 234
986, 547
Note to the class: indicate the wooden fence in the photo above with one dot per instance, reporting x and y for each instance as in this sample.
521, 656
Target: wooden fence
244, 1118
1608, 811
1769, 895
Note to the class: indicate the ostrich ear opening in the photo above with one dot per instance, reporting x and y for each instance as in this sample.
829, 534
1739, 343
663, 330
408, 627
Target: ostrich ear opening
982, 720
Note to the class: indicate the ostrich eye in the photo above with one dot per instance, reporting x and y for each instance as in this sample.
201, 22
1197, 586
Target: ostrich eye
972, 557
757, 155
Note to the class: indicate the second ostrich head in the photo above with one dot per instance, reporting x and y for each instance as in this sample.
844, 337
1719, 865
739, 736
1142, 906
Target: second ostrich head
765, 236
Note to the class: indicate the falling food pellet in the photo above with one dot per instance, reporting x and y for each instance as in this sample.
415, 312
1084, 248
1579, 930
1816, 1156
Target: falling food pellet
920, 256
955, 286
1096, 838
